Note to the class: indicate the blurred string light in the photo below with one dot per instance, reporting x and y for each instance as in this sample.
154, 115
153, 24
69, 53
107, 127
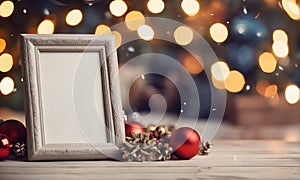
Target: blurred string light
190, 7
156, 6
74, 17
183, 35
118, 38
280, 35
102, 29
2, 45
46, 27
118, 8
6, 8
6, 62
218, 32
267, 62
220, 70
280, 49
271, 91
235, 81
261, 86
145, 32
291, 8
134, 20
192, 65
7, 85
292, 94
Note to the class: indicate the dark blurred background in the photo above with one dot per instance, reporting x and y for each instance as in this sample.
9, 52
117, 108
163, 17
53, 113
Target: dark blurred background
256, 41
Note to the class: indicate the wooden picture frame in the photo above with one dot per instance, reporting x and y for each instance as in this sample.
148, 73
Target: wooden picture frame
72, 97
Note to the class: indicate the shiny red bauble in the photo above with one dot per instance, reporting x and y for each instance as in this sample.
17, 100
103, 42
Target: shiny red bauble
5, 146
14, 129
186, 143
133, 126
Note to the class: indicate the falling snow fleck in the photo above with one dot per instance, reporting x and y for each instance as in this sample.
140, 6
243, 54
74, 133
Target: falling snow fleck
46, 12
184, 103
22, 80
181, 111
130, 49
257, 15
227, 22
296, 65
214, 109
248, 87
15, 89
143, 76
258, 34
90, 4
277, 74
281, 68
212, 14
245, 10
24, 11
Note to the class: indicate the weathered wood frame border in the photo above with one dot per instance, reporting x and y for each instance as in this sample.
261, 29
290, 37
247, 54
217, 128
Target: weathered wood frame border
31, 46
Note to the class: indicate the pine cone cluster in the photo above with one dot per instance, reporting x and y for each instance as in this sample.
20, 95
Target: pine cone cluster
158, 132
205, 148
20, 149
141, 147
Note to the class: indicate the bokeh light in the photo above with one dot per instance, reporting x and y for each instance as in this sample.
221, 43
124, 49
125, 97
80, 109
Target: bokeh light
2, 45
102, 29
280, 49
118, 8
183, 35
291, 8
134, 20
267, 62
235, 81
280, 35
6, 62
261, 86
145, 32
220, 70
292, 94
46, 27
6, 8
271, 91
74, 17
7, 85
192, 65
190, 7
218, 32
156, 6
118, 38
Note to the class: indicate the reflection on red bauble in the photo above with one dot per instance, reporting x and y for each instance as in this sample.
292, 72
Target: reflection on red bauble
5, 146
186, 143
133, 126
14, 129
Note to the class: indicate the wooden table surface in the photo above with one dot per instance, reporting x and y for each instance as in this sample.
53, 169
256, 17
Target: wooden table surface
234, 159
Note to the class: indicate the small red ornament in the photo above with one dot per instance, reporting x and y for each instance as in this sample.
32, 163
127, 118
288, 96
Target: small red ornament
132, 126
186, 143
5, 147
14, 129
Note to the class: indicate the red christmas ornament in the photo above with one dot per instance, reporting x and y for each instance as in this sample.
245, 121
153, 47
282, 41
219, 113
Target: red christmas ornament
132, 126
5, 146
14, 129
186, 143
